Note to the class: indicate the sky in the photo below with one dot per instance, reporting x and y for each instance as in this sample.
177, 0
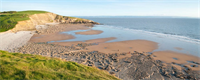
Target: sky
179, 8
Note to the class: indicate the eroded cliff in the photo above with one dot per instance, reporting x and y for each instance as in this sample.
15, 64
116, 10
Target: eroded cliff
43, 18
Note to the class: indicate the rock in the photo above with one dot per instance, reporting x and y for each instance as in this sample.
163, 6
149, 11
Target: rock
112, 73
90, 64
193, 65
138, 66
112, 67
173, 63
108, 68
115, 60
100, 67
118, 70
102, 64
111, 63
82, 61
127, 61
115, 70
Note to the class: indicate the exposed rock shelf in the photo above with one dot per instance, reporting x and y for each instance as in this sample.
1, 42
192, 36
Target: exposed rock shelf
138, 66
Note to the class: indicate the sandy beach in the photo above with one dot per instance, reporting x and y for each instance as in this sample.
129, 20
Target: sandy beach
91, 32
178, 48
50, 37
9, 40
116, 47
52, 33
123, 58
177, 58
125, 46
97, 41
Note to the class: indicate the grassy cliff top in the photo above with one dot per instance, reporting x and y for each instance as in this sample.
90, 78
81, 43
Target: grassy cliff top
27, 66
9, 19
30, 12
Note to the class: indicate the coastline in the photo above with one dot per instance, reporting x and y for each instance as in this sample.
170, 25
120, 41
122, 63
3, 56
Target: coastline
178, 58
53, 32
121, 51
91, 32
125, 46
11, 40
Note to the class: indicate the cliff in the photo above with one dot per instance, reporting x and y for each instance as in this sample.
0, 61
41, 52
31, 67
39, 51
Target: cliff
27, 20
43, 18
73, 20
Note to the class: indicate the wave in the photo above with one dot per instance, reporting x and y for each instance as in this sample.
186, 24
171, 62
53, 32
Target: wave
173, 36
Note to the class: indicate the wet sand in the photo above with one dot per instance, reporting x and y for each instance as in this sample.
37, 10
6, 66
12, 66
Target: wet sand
52, 33
123, 59
178, 48
125, 46
70, 27
116, 47
50, 37
91, 32
100, 40
180, 58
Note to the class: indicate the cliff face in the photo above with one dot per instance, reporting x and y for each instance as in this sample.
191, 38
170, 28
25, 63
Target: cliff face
43, 18
73, 20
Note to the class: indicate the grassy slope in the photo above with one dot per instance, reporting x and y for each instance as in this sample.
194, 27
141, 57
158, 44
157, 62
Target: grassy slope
9, 20
27, 66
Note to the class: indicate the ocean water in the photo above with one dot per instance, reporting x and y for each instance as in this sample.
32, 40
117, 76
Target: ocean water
169, 33
187, 28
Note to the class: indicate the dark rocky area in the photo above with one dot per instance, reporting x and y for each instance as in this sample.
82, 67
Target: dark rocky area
138, 66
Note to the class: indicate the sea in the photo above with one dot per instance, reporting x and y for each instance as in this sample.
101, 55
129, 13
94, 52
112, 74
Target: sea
169, 32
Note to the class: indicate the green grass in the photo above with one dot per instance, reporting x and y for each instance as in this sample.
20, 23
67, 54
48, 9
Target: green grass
27, 66
31, 12
8, 20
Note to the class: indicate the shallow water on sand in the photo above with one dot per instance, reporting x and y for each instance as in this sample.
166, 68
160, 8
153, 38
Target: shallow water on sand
165, 42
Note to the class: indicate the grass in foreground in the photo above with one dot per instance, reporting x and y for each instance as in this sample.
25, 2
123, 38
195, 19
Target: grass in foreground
27, 66
9, 19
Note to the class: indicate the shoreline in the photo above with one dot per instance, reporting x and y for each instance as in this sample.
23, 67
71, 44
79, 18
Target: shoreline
124, 58
125, 46
54, 32
11, 40
141, 46
176, 58
90, 32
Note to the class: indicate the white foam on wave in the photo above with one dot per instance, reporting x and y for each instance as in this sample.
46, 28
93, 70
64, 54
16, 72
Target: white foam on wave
177, 37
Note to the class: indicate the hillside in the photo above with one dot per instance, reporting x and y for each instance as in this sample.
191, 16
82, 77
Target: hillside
27, 20
27, 66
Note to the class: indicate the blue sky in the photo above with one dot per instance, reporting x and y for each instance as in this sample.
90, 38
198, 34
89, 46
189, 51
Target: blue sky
182, 8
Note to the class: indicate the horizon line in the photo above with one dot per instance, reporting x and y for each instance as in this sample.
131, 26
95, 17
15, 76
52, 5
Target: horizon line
138, 16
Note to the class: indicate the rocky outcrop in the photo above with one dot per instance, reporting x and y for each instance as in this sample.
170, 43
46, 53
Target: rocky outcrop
43, 18
73, 20
138, 66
